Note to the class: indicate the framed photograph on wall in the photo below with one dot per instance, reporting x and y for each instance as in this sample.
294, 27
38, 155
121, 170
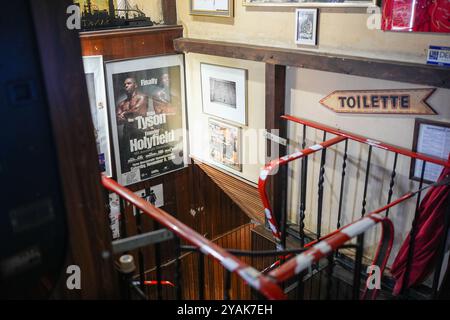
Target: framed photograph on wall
225, 144
431, 138
306, 26
95, 82
224, 92
147, 108
310, 3
220, 8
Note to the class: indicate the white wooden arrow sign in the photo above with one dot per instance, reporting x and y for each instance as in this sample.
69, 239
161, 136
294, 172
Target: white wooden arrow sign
395, 101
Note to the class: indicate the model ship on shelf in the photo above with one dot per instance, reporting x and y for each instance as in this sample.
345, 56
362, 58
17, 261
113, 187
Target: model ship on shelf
125, 16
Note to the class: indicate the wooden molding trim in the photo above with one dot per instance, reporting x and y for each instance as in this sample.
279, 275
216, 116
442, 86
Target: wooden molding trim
357, 66
243, 194
128, 31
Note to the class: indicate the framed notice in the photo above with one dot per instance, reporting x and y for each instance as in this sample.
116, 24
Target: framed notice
147, 110
225, 145
224, 92
221, 8
431, 138
95, 82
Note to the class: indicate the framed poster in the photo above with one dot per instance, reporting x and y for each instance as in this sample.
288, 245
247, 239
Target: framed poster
310, 3
95, 82
147, 109
431, 138
220, 8
225, 144
306, 26
224, 92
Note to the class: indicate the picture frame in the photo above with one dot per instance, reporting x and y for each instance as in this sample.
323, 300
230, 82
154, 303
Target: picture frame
215, 8
225, 144
432, 138
146, 103
95, 82
306, 26
224, 92
307, 3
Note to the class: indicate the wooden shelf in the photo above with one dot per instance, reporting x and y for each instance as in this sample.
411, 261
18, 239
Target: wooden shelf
127, 43
372, 68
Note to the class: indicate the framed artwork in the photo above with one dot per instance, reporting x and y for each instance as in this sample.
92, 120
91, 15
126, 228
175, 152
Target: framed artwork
95, 82
224, 92
310, 3
306, 26
220, 8
147, 109
431, 138
111, 14
225, 145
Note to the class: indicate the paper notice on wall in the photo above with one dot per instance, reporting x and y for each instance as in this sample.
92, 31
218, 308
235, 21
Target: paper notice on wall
114, 215
154, 194
433, 141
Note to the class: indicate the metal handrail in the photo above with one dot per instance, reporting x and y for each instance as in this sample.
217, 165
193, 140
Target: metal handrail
316, 250
254, 278
273, 166
338, 238
335, 241
368, 141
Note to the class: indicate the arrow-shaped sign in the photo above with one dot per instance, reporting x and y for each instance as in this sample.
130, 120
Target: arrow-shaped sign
396, 101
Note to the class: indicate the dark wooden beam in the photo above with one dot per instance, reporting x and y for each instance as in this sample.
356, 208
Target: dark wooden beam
169, 8
275, 101
357, 66
87, 221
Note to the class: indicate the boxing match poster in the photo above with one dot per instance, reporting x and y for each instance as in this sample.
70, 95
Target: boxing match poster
146, 107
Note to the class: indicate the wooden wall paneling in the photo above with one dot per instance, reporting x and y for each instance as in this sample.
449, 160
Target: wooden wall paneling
67, 97
239, 238
365, 67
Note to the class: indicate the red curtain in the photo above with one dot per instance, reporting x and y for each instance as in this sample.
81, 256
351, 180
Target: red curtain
430, 232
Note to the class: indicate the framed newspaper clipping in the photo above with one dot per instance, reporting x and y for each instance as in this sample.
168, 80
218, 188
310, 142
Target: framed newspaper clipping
225, 145
147, 109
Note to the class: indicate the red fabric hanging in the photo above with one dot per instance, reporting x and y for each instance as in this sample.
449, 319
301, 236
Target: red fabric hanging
430, 231
416, 15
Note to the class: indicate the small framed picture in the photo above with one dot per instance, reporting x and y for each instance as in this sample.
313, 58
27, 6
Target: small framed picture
431, 138
306, 27
224, 92
220, 8
225, 144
